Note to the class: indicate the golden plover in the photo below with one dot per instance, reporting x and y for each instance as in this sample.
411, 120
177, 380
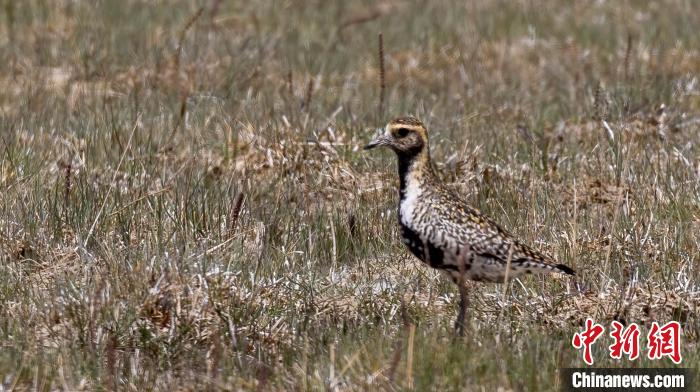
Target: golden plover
442, 230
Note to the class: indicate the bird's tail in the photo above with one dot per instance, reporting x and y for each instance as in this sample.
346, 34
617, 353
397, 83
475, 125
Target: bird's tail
564, 269
539, 267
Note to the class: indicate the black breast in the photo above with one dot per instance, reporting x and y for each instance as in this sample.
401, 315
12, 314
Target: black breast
434, 255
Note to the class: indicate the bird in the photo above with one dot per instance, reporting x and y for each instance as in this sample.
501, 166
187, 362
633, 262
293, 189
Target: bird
445, 232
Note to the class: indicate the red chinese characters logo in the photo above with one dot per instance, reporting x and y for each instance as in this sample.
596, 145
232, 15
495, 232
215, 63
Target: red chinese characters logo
586, 339
626, 341
665, 341
662, 341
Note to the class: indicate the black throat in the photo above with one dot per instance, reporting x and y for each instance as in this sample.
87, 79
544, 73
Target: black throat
406, 160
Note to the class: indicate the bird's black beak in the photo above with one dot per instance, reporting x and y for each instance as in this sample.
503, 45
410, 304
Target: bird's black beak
371, 145
380, 140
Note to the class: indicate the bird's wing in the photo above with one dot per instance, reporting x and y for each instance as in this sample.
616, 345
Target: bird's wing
466, 226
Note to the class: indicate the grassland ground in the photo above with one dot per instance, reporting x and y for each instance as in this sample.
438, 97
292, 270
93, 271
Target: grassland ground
184, 202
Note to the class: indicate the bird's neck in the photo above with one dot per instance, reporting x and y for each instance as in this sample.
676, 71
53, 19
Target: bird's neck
414, 170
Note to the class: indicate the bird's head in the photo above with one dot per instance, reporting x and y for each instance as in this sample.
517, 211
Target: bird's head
407, 136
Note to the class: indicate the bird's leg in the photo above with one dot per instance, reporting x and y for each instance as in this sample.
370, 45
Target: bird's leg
463, 303
459, 280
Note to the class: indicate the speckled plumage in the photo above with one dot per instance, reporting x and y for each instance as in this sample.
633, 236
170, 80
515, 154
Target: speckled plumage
442, 230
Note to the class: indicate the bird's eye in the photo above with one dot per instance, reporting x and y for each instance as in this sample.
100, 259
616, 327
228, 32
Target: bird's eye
402, 132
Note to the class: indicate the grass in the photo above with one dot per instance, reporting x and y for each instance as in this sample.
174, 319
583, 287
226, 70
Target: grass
185, 203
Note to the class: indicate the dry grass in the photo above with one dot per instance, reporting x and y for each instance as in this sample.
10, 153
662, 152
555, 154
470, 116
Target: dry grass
185, 204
